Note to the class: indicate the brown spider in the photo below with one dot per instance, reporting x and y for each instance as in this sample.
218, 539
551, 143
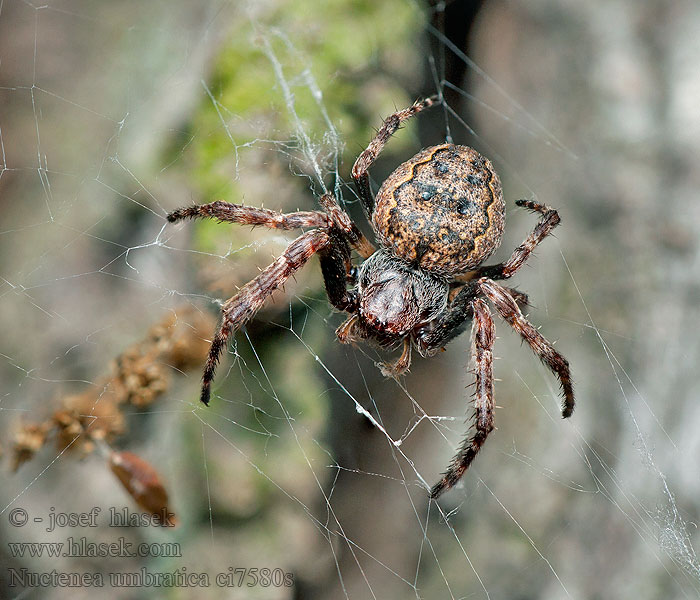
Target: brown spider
437, 217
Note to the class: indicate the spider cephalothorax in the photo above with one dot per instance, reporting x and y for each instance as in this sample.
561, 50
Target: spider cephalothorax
437, 217
394, 297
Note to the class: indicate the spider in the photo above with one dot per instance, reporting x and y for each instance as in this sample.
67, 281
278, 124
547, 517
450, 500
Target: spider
436, 218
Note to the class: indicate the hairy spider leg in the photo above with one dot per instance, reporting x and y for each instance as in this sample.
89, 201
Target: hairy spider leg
509, 311
436, 335
344, 223
548, 221
390, 125
331, 241
225, 212
336, 268
483, 337
506, 301
241, 307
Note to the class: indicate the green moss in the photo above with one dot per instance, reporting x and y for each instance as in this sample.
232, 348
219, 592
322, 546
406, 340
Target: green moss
343, 45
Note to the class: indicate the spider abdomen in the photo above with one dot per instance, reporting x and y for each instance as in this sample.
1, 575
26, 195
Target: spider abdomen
442, 210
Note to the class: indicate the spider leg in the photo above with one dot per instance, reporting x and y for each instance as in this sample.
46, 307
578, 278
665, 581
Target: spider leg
483, 336
335, 235
226, 212
342, 221
336, 268
437, 334
521, 298
434, 335
241, 307
509, 311
548, 221
364, 161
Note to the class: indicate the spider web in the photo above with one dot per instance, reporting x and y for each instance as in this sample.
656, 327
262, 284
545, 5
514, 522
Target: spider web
308, 460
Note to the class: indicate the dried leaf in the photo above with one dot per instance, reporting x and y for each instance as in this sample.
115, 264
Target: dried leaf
143, 483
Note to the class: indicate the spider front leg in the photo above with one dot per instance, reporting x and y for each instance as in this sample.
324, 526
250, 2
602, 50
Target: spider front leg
225, 212
332, 240
342, 221
335, 216
241, 307
509, 311
483, 336
334, 253
364, 161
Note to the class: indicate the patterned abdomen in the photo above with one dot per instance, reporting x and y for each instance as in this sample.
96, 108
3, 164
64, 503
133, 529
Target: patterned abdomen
442, 210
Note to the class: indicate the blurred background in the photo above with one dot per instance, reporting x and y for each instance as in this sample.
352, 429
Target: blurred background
113, 114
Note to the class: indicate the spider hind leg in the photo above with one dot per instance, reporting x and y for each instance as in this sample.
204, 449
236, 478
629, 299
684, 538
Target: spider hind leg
483, 337
510, 313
